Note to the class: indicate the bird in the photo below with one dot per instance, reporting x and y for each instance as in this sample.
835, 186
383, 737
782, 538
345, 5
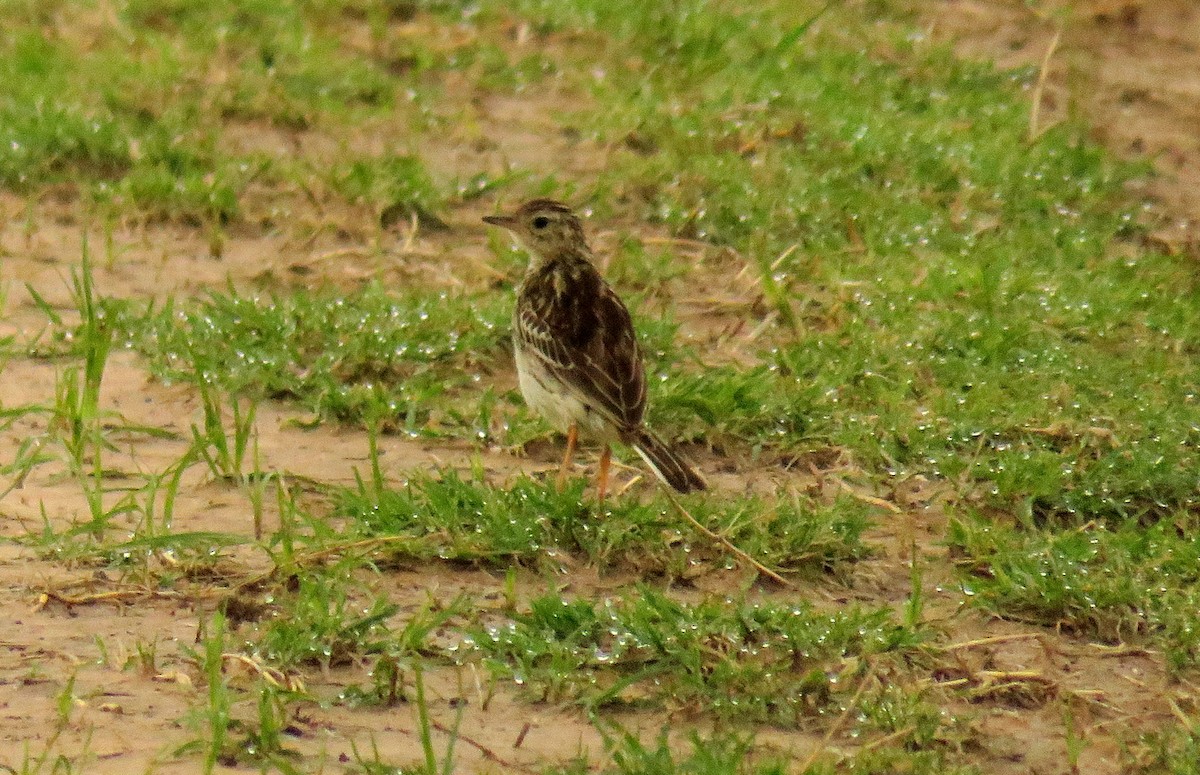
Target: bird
578, 362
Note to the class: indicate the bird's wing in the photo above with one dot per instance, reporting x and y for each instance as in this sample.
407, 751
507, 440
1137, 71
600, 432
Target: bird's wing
585, 338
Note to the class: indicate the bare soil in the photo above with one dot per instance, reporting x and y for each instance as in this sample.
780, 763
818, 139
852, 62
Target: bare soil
1131, 67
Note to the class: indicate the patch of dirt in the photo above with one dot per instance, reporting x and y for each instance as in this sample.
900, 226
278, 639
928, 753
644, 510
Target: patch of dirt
132, 701
1130, 66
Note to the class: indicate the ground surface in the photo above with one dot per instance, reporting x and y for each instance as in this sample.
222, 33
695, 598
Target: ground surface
1125, 66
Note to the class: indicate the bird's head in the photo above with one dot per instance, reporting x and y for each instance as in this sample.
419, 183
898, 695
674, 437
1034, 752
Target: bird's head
544, 227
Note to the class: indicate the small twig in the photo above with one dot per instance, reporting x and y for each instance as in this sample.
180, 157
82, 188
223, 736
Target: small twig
790, 249
340, 253
486, 752
841, 721
691, 243
112, 596
887, 738
1015, 676
1120, 651
1134, 681
625, 488
993, 640
273, 676
871, 499
1093, 696
1035, 110
992, 683
414, 224
1179, 714
763, 569
1123, 721
766, 323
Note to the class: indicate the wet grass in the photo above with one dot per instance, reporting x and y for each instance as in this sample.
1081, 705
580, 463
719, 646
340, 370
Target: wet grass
353, 357
1132, 583
953, 300
758, 662
529, 522
422, 363
963, 303
140, 111
938, 298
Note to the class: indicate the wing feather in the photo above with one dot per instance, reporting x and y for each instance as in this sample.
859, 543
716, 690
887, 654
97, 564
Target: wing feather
584, 337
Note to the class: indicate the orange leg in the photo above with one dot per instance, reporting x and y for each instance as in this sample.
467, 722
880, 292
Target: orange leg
572, 440
602, 476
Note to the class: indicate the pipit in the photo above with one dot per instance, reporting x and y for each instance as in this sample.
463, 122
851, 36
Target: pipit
578, 361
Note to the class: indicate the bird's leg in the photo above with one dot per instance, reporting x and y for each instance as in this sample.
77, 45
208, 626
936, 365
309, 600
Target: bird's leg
572, 439
602, 475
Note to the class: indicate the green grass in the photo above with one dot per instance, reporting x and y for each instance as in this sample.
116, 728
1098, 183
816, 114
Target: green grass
455, 519
952, 303
421, 362
359, 356
1170, 751
958, 307
716, 755
937, 296
1130, 583
138, 110
733, 658
87, 125
321, 624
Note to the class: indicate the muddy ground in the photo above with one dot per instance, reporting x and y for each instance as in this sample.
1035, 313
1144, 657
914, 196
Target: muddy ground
1131, 68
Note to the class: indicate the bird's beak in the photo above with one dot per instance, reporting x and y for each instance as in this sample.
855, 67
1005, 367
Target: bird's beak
507, 221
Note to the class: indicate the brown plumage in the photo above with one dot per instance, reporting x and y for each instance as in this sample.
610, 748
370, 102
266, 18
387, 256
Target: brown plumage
577, 355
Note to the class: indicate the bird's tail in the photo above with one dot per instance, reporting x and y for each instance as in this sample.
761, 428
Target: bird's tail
669, 467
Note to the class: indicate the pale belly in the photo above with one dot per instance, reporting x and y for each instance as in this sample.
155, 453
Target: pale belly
562, 406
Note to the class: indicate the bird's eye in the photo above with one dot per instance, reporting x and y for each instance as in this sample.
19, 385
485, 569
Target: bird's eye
541, 222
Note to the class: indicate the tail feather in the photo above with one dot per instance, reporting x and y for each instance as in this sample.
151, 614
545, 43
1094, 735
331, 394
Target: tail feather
668, 465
